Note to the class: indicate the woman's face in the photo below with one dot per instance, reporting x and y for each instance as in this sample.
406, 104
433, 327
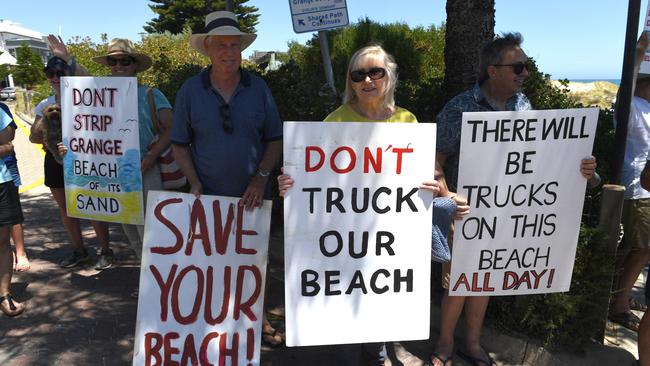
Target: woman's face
121, 65
54, 78
368, 80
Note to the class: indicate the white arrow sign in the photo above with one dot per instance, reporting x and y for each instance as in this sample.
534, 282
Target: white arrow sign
315, 15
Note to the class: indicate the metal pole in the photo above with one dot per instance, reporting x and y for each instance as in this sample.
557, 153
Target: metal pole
622, 112
327, 61
230, 6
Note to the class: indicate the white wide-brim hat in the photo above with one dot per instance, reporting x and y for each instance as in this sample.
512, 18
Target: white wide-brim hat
220, 23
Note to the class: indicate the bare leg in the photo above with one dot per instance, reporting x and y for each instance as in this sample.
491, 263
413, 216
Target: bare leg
475, 308
18, 237
450, 310
101, 230
632, 266
8, 306
71, 224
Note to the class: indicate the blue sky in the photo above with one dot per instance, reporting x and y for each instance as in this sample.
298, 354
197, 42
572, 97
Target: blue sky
575, 39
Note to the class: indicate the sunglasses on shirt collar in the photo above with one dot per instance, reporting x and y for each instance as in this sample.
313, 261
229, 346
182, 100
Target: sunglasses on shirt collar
224, 111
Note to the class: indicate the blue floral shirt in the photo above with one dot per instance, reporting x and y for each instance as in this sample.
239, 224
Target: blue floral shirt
449, 124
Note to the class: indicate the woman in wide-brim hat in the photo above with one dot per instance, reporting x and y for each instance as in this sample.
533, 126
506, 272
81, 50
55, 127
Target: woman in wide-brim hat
124, 47
220, 23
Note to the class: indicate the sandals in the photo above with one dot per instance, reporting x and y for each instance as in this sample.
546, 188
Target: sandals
629, 320
9, 307
635, 304
436, 356
477, 361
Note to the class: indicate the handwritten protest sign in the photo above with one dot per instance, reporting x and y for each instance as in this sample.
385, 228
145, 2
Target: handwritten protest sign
357, 231
520, 172
201, 282
102, 165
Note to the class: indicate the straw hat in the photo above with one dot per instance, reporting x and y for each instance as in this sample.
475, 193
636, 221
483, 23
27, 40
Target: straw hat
121, 46
220, 23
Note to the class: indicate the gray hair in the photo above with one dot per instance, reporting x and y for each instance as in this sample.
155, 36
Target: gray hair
374, 51
493, 51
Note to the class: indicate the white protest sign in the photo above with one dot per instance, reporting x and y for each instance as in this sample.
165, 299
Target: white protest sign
201, 281
645, 64
357, 231
520, 172
102, 166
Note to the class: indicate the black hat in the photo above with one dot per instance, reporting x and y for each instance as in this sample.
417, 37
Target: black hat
56, 64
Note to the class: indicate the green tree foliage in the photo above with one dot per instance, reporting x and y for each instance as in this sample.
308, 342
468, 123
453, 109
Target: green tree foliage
417, 51
176, 15
29, 68
5, 70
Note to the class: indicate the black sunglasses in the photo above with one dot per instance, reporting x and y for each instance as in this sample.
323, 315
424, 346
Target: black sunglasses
517, 68
224, 110
374, 73
122, 61
51, 74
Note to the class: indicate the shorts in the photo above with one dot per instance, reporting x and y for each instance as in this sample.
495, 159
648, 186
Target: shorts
636, 223
53, 171
11, 213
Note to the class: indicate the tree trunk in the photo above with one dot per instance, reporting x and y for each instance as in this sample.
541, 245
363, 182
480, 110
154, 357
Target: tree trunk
470, 23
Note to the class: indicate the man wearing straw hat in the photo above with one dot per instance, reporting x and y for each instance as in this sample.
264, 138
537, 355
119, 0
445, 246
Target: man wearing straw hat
226, 130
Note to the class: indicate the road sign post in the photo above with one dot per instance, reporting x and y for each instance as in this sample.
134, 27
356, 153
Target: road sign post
320, 15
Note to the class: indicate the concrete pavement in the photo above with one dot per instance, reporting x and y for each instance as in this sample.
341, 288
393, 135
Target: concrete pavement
85, 317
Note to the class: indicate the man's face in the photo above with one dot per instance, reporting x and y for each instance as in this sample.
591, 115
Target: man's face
225, 53
505, 76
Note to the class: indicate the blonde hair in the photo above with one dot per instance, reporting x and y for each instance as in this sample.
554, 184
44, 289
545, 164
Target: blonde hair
376, 52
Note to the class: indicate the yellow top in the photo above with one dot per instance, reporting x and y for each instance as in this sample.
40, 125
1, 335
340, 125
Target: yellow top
346, 113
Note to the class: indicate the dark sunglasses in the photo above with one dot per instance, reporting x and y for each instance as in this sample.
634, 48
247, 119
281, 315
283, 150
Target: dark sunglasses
517, 68
51, 74
122, 61
224, 110
374, 73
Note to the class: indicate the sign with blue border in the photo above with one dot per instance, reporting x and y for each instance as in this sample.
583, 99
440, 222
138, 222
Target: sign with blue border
316, 15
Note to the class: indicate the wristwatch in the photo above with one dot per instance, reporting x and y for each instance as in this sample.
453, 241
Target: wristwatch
263, 173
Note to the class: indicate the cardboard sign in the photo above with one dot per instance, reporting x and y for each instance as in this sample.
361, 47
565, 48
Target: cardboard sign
357, 231
201, 281
520, 172
102, 166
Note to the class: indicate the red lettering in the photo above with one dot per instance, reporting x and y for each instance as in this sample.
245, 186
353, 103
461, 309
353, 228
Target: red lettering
189, 352
198, 216
192, 316
509, 276
152, 350
250, 344
462, 280
368, 159
170, 225
233, 352
221, 233
399, 153
321, 158
353, 160
208, 297
165, 286
239, 249
203, 353
245, 307
169, 350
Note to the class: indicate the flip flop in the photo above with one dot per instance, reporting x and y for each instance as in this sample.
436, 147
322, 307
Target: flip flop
477, 361
437, 356
629, 320
635, 304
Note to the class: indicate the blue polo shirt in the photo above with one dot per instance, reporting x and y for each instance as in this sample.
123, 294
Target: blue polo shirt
226, 162
450, 119
5, 122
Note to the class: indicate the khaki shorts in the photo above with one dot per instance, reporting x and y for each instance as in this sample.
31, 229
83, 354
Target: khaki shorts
636, 223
